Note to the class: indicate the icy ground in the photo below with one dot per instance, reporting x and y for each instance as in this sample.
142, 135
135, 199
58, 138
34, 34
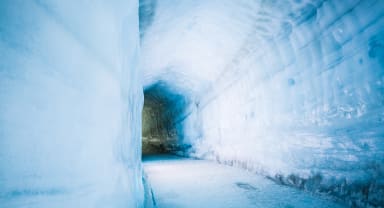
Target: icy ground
183, 182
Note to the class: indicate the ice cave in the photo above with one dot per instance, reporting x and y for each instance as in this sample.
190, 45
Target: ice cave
191, 103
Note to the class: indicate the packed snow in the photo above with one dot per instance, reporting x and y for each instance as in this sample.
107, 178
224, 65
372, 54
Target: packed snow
181, 182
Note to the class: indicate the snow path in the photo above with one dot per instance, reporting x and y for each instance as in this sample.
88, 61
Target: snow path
183, 182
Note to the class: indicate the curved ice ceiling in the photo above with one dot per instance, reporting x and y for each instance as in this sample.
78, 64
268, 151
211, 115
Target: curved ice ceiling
199, 41
193, 40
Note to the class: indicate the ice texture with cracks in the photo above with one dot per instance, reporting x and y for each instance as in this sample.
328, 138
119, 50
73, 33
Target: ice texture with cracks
293, 90
70, 104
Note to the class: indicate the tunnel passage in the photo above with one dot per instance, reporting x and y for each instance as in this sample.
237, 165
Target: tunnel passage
162, 110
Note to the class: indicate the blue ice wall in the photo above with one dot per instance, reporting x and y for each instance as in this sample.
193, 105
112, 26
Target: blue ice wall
290, 89
70, 104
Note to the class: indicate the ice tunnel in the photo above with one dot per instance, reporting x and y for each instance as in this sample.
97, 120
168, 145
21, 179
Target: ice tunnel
292, 90
162, 111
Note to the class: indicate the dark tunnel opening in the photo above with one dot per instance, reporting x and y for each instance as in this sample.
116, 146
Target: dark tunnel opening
161, 132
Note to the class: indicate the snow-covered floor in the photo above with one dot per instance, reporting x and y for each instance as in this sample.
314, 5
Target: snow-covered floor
184, 182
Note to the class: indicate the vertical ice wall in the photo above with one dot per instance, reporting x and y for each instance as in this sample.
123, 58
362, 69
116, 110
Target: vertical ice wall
290, 89
70, 104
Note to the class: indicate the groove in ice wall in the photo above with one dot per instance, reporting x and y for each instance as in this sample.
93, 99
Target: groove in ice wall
70, 104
